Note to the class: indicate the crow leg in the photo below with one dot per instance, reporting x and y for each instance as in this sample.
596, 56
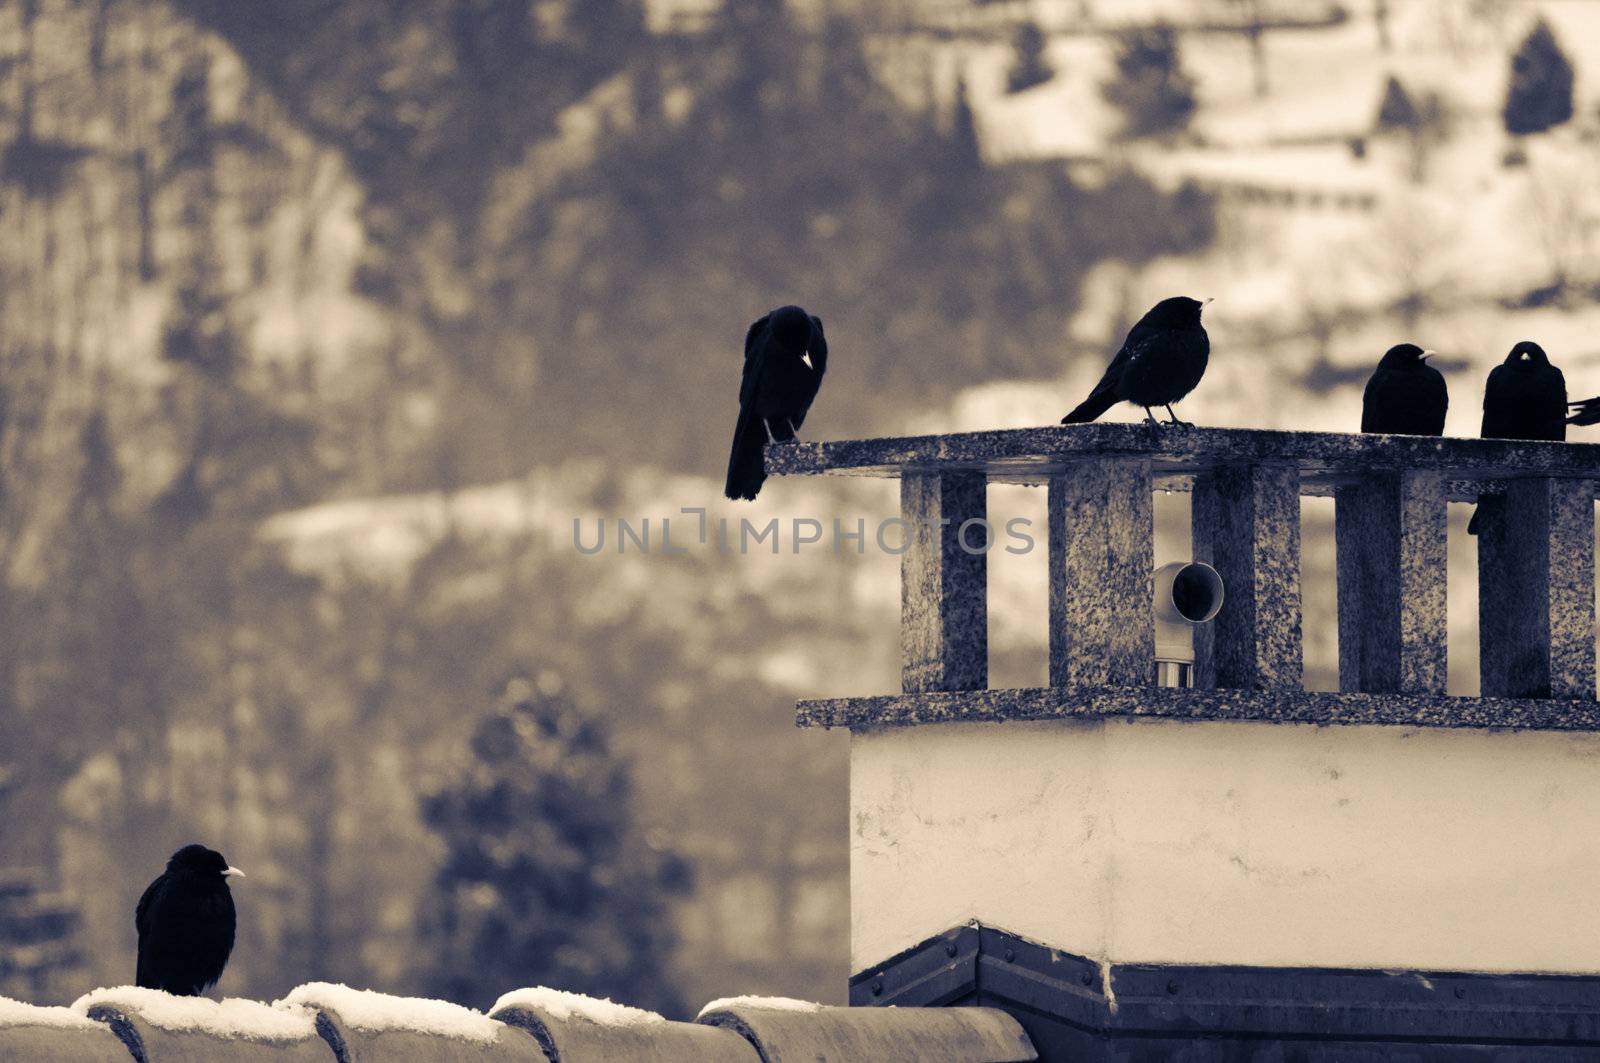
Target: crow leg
1174, 417
1151, 417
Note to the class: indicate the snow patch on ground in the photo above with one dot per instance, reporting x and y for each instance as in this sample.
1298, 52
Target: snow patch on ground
16, 1013
760, 1003
561, 1005
368, 1010
232, 1018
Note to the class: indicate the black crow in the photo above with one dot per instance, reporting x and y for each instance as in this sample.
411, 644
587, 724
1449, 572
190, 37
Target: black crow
1525, 398
186, 921
1405, 395
1586, 412
1160, 362
785, 355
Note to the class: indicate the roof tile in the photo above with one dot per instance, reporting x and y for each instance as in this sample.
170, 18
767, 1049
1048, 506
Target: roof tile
884, 1035
55, 1035
570, 1036
157, 1027
366, 1027
324, 1023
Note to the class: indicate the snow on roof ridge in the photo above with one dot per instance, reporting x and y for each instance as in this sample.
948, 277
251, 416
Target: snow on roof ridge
560, 1004
19, 1013
767, 1003
367, 1009
233, 1017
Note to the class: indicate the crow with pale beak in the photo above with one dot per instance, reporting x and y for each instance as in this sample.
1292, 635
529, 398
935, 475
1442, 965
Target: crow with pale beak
1525, 398
785, 355
1405, 395
186, 922
1161, 360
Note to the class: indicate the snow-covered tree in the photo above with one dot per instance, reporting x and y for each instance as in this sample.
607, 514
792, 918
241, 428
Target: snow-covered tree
1396, 111
1540, 93
966, 151
545, 879
1150, 87
1425, 122
1029, 67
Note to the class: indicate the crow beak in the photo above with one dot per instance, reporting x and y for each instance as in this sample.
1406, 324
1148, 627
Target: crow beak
232, 871
1425, 355
1208, 300
806, 358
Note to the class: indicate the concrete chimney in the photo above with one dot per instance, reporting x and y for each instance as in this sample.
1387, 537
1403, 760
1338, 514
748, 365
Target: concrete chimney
1233, 866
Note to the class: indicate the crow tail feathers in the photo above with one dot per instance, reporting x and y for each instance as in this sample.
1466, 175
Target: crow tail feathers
746, 470
1099, 401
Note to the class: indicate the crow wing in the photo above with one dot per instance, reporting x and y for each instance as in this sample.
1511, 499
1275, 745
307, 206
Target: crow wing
753, 351
1369, 402
1554, 407
1495, 424
141, 911
752, 332
1133, 349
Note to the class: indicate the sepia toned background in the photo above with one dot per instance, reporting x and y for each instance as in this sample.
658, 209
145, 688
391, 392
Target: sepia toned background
321, 323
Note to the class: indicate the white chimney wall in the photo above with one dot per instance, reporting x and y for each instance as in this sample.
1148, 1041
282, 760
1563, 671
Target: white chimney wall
1152, 841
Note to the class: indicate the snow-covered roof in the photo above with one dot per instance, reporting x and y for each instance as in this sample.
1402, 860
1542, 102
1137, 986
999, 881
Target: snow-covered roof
29, 1032
367, 1010
770, 1003
559, 1004
16, 1013
324, 1021
231, 1019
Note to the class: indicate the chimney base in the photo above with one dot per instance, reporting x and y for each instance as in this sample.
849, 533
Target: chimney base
1075, 1009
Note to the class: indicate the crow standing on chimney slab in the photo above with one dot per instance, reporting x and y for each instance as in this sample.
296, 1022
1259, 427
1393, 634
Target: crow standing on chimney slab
1159, 363
1525, 398
1405, 395
785, 355
185, 921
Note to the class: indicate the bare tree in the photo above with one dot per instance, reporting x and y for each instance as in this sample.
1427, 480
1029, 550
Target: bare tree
1410, 252
1435, 122
1565, 219
1253, 20
1492, 15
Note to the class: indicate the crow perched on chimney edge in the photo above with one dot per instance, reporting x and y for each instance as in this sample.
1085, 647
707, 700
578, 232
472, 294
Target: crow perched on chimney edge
1159, 363
186, 921
785, 355
1525, 398
1405, 395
